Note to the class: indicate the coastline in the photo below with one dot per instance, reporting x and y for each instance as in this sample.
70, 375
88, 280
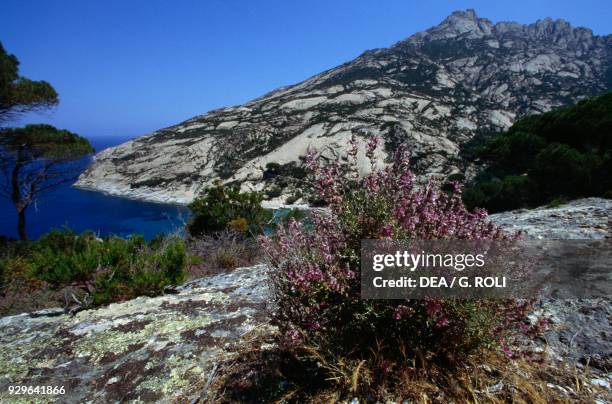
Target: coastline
165, 199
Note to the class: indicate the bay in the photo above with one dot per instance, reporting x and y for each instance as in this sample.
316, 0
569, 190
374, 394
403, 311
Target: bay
83, 210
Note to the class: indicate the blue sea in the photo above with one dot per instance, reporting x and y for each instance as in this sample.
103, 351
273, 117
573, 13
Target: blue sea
85, 210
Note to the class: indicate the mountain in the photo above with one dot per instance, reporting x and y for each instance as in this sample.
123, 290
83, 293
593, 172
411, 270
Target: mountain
434, 91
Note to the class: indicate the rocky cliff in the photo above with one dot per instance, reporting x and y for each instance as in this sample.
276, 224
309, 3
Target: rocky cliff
434, 91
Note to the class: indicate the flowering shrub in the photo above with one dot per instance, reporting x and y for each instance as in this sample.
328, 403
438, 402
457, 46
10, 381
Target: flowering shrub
316, 271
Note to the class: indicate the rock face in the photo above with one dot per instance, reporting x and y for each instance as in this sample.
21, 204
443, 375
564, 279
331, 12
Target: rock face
580, 329
433, 91
147, 348
581, 219
155, 349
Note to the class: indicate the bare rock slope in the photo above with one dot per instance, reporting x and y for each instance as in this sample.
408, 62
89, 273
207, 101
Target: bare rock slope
148, 349
158, 349
434, 91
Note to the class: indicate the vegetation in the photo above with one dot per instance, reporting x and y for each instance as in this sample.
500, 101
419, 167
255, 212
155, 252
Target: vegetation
261, 371
90, 270
316, 283
222, 252
35, 159
225, 206
562, 154
18, 94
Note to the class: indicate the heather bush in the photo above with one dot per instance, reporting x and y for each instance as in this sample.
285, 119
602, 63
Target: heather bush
315, 273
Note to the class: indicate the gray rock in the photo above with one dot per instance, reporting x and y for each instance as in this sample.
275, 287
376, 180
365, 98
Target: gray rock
580, 219
580, 330
145, 348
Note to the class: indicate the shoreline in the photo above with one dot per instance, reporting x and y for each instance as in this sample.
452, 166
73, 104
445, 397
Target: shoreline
169, 200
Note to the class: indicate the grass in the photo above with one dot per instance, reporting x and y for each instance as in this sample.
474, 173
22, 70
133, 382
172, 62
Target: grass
260, 371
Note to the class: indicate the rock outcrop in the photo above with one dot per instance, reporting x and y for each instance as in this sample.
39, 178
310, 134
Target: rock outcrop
580, 329
158, 348
148, 348
434, 91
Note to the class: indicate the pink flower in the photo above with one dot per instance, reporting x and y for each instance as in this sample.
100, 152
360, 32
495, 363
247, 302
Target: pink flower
432, 307
442, 322
295, 336
315, 269
400, 311
387, 231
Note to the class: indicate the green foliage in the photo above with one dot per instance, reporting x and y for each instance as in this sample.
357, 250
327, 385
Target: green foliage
559, 167
221, 205
19, 94
514, 152
561, 154
293, 198
510, 192
274, 192
110, 269
42, 141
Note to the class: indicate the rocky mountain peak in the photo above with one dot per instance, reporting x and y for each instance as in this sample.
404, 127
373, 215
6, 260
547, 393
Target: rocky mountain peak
459, 23
467, 25
462, 22
560, 32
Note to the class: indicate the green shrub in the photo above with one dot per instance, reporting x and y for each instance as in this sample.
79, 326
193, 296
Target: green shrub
561, 170
109, 269
566, 153
222, 204
514, 152
239, 225
272, 170
291, 199
456, 177
511, 192
555, 203
274, 192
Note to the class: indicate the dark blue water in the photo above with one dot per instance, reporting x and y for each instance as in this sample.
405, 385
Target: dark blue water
85, 210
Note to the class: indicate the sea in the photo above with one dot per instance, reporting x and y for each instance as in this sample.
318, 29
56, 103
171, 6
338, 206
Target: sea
103, 214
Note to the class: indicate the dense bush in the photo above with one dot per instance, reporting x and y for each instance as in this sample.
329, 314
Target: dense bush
316, 274
561, 154
223, 205
106, 270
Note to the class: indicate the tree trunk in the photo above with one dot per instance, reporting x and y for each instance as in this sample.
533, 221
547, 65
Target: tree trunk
21, 225
17, 197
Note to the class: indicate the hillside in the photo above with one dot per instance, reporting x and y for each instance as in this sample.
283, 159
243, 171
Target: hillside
433, 91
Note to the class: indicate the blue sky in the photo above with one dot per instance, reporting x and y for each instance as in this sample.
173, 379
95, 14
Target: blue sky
125, 68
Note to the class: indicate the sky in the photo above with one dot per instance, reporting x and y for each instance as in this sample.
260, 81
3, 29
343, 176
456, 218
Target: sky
124, 68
